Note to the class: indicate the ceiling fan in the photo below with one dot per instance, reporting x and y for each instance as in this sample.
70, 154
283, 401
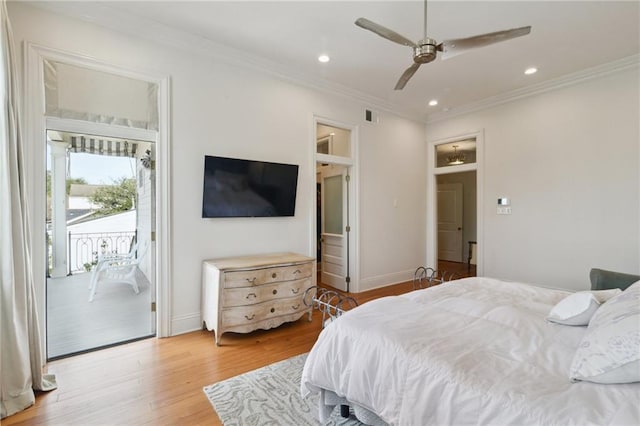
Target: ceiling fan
425, 50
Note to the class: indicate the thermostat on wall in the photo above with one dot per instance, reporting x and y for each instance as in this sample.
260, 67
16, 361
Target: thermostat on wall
503, 206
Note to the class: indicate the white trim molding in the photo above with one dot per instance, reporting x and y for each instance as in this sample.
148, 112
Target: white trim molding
186, 323
379, 281
35, 126
535, 89
121, 21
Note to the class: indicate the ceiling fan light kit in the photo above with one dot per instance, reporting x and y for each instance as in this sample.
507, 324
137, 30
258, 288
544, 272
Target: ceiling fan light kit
426, 50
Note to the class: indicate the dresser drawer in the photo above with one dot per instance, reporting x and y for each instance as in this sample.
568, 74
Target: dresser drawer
254, 277
243, 296
261, 311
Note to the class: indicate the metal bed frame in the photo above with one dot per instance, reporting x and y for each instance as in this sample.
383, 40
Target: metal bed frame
330, 303
425, 277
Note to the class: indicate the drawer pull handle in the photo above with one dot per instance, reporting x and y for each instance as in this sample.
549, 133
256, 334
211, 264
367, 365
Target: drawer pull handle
275, 291
251, 295
297, 271
295, 307
250, 318
273, 275
295, 290
252, 280
273, 310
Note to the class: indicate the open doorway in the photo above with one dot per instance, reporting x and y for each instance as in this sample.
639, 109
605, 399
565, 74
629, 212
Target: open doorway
100, 286
457, 225
454, 221
334, 206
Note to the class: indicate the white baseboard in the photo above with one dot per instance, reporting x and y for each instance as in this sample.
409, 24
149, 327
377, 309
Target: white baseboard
378, 281
186, 323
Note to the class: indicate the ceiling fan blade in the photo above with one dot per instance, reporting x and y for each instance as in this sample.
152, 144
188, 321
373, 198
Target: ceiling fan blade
384, 32
406, 75
451, 48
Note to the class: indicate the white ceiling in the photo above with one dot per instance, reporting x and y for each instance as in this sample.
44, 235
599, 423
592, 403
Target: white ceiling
567, 37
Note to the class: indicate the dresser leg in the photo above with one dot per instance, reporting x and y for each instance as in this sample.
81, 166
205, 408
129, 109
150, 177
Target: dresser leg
217, 336
310, 316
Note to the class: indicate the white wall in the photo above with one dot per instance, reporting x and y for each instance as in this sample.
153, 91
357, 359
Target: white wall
220, 109
392, 200
569, 162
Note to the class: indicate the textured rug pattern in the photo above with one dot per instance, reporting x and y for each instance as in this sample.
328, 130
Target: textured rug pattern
269, 396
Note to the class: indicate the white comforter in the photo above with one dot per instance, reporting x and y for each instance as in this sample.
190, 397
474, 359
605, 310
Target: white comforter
472, 351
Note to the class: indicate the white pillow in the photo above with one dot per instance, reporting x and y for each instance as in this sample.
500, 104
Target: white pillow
578, 308
610, 349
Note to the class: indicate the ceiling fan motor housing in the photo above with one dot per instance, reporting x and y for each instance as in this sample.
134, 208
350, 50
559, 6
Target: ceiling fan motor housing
425, 52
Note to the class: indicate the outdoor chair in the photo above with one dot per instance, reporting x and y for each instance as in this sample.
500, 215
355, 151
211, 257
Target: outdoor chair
113, 267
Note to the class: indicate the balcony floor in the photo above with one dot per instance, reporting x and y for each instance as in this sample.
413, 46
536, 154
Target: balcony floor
116, 314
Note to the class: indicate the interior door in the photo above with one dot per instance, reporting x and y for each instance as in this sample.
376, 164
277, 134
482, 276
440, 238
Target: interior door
450, 211
334, 222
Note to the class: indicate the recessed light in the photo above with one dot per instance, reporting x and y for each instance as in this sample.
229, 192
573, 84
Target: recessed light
530, 71
323, 58
433, 102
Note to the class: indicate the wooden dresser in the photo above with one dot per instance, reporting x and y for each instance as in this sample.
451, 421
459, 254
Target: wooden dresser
243, 294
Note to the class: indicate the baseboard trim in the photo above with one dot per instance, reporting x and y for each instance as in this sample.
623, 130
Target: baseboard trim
186, 323
385, 280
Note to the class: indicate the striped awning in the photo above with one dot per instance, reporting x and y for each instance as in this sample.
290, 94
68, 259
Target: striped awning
103, 146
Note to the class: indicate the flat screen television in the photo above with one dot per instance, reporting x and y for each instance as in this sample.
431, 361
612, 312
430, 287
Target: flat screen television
245, 188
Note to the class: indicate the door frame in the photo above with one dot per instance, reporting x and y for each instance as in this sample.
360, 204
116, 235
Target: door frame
354, 215
35, 128
432, 197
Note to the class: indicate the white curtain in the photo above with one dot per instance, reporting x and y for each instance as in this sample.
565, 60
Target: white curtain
21, 363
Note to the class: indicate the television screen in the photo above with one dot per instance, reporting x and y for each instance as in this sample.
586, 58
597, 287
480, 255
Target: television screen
246, 188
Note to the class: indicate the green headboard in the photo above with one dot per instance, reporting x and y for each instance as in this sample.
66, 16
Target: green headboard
605, 280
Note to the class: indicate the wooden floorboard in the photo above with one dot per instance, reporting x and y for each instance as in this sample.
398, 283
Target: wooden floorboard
160, 381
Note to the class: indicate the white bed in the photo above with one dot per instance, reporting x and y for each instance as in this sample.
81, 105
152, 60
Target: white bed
472, 351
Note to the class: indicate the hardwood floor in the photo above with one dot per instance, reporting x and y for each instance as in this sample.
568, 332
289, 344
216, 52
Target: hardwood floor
461, 270
160, 381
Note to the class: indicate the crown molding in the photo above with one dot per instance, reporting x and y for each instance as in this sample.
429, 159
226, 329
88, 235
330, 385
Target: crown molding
620, 65
112, 18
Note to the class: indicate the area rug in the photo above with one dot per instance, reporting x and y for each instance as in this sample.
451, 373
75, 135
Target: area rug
269, 396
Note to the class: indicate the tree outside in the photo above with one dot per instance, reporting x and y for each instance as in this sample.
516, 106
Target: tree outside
115, 198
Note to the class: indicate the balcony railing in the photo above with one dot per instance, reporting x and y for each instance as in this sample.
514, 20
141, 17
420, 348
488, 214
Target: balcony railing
85, 248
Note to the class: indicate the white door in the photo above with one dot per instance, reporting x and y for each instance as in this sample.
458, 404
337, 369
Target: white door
333, 218
450, 222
